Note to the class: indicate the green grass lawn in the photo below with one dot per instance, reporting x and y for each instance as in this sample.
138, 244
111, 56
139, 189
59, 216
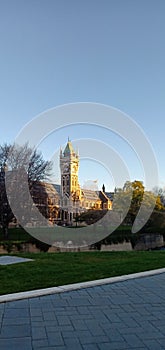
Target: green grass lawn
55, 269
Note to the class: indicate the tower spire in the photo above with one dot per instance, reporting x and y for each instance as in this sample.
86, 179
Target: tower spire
69, 164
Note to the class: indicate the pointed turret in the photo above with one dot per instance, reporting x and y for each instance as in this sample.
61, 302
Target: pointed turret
69, 164
68, 149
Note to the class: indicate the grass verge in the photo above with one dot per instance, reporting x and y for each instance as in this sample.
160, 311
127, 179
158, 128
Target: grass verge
50, 270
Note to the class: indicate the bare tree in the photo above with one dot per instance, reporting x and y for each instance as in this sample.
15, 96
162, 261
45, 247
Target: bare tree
25, 164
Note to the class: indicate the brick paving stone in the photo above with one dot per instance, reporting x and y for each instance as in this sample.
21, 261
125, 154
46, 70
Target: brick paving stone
60, 303
161, 341
15, 312
83, 310
38, 344
63, 320
15, 321
80, 325
133, 340
36, 318
114, 335
66, 328
55, 338
79, 302
37, 323
49, 315
68, 334
73, 344
35, 302
39, 333
54, 348
151, 335
75, 317
93, 339
16, 344
131, 330
113, 317
19, 304
161, 329
114, 346
100, 301
94, 327
46, 305
128, 321
125, 315
37, 312
90, 347
98, 315
153, 345
59, 309
18, 331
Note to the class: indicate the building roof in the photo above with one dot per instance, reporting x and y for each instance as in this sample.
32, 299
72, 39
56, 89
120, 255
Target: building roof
44, 190
110, 195
90, 195
87, 194
57, 188
68, 149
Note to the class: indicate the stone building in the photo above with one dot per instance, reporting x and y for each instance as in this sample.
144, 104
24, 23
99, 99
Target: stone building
62, 203
73, 200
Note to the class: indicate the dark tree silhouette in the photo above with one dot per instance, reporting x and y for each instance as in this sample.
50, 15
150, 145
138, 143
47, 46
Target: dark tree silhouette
29, 165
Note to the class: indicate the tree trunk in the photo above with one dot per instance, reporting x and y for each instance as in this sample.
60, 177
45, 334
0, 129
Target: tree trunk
5, 231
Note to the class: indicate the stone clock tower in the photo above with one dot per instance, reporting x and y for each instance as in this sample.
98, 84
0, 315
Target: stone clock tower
69, 165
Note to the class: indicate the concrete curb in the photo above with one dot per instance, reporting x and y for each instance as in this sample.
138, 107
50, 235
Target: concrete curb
75, 286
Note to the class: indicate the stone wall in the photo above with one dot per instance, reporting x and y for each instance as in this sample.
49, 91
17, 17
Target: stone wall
149, 241
145, 242
17, 248
125, 246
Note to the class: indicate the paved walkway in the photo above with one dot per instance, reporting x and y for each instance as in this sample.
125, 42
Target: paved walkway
9, 260
122, 315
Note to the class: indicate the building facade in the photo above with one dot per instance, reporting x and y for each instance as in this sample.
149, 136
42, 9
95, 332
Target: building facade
74, 200
61, 204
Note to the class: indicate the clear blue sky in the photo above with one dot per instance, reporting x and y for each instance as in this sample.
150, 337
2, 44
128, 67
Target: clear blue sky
106, 51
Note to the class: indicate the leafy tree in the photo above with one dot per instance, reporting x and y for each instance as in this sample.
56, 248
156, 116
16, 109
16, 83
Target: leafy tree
20, 161
136, 192
156, 223
159, 191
